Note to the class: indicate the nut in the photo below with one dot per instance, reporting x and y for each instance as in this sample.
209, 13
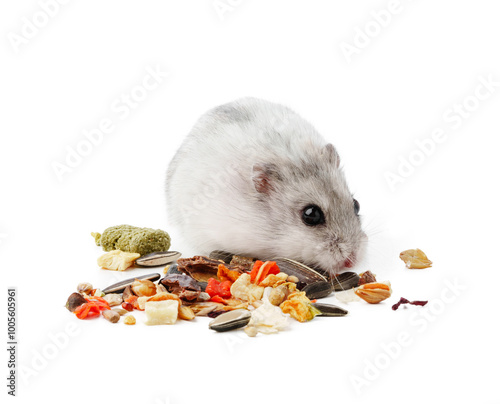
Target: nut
129, 320
278, 295
292, 278
374, 292
111, 316
84, 287
366, 277
251, 331
415, 259
75, 300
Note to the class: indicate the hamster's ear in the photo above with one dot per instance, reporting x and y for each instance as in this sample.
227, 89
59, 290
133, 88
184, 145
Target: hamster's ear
331, 154
264, 177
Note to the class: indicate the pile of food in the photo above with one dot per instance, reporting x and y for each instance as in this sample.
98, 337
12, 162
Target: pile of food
242, 293
237, 292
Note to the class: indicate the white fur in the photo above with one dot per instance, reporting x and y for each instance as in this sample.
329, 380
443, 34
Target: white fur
212, 195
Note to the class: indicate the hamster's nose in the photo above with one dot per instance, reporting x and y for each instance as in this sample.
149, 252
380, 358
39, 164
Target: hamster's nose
350, 261
348, 264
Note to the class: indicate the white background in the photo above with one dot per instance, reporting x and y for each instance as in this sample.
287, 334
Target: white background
395, 90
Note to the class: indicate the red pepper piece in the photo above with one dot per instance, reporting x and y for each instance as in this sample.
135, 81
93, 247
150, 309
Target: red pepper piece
274, 269
212, 287
87, 310
99, 302
225, 289
260, 270
216, 288
255, 270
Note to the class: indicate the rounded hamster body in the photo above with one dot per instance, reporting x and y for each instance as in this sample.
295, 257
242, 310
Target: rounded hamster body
256, 179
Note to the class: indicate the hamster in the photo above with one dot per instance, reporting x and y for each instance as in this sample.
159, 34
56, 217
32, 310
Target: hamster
255, 179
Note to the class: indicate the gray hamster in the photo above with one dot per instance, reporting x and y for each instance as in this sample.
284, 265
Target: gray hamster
254, 178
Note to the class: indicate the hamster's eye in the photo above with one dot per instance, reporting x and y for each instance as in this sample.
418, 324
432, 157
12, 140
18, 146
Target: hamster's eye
356, 206
312, 215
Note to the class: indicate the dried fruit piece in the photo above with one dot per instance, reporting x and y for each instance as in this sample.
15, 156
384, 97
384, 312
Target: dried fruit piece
143, 288
186, 313
141, 303
406, 301
415, 259
164, 296
128, 306
117, 260
161, 312
274, 280
129, 320
226, 274
374, 292
113, 299
299, 307
245, 290
182, 285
